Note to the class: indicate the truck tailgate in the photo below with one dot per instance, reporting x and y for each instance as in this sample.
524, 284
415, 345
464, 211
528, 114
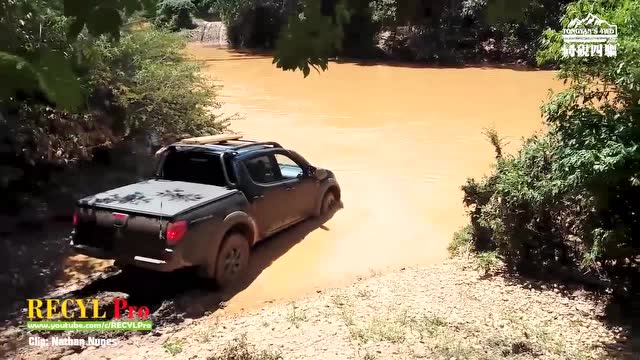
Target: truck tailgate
139, 235
128, 221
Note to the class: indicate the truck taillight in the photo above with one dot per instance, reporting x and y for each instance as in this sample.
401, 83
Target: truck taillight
75, 218
175, 231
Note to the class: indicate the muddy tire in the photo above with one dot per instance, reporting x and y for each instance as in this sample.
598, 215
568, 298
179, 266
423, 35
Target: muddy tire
329, 203
232, 260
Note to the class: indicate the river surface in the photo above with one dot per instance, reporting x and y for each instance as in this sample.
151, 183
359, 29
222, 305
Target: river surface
401, 140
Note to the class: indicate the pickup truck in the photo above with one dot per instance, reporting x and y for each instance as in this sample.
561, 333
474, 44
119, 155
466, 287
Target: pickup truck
210, 201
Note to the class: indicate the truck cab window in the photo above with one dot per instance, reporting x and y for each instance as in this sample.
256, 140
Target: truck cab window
261, 169
289, 169
193, 166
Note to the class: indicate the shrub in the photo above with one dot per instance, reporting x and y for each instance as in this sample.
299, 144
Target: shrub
240, 349
203, 7
570, 199
487, 262
251, 24
462, 241
158, 88
176, 13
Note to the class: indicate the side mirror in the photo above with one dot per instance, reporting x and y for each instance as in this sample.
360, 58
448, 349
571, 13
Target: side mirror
311, 170
320, 174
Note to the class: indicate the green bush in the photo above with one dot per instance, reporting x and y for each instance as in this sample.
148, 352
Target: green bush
570, 199
252, 24
487, 262
462, 241
177, 14
159, 89
203, 7
240, 349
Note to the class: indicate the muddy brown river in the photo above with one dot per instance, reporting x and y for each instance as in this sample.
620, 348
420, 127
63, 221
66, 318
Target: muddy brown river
401, 140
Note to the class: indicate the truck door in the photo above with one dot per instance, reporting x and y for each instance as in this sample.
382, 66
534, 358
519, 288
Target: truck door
301, 188
265, 192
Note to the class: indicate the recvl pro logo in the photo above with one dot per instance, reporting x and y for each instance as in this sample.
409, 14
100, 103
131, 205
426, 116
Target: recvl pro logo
83, 309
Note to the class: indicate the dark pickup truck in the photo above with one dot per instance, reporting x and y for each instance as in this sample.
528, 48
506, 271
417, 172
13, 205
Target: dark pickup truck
211, 199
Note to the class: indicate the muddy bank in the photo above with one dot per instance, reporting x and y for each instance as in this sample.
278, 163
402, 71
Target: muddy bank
441, 312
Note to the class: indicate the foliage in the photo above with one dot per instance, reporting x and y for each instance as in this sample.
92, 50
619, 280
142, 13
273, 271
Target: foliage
175, 13
570, 198
240, 349
173, 347
141, 84
204, 7
313, 34
253, 24
487, 262
454, 32
34, 53
231, 10
384, 12
148, 75
461, 242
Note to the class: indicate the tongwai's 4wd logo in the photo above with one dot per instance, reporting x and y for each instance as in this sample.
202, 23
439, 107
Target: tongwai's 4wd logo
82, 309
589, 37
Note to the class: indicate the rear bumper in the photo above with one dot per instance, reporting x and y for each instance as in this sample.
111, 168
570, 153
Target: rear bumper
168, 261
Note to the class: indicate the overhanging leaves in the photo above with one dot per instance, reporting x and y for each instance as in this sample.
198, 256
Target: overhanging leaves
310, 39
17, 74
58, 80
51, 73
104, 21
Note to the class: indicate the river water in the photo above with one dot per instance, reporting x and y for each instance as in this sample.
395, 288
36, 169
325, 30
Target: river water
401, 140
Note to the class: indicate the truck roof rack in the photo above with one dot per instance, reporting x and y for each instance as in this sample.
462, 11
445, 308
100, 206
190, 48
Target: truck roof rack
225, 142
211, 139
256, 143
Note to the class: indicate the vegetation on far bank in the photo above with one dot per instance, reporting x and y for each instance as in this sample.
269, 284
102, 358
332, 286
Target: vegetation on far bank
568, 201
435, 31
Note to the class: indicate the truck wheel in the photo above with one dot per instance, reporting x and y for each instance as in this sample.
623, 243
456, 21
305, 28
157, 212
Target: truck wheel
329, 202
233, 259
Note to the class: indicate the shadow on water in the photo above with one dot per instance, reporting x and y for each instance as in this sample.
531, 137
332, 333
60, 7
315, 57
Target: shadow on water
249, 54
425, 65
172, 297
232, 58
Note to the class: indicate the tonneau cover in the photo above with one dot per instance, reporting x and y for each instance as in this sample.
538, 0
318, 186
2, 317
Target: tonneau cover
157, 197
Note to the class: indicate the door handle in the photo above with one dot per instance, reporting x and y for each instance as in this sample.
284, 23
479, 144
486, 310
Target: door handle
258, 197
289, 188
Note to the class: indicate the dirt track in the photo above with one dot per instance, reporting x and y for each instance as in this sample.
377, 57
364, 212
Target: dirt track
446, 311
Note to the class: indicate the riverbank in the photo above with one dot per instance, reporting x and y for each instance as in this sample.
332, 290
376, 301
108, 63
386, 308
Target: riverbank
443, 311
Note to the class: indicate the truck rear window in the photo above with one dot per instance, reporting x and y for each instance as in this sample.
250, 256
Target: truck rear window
193, 166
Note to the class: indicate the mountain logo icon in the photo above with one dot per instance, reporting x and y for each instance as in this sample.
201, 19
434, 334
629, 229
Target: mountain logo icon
590, 21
